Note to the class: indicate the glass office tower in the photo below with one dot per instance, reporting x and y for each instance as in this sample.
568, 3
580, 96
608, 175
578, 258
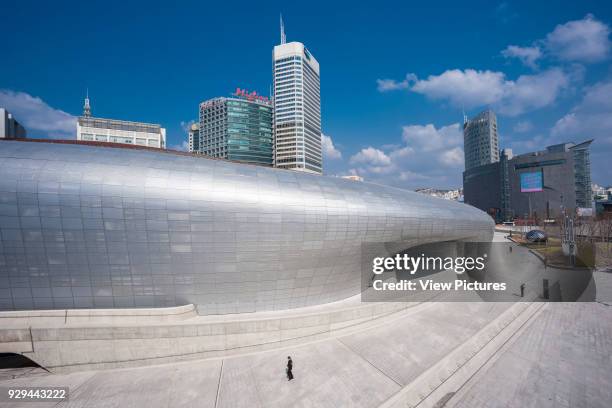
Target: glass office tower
297, 108
237, 128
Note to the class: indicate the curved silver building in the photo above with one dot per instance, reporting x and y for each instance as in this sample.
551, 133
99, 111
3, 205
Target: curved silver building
85, 226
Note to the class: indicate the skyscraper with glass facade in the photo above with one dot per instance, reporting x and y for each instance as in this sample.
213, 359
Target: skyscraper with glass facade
237, 128
297, 108
480, 140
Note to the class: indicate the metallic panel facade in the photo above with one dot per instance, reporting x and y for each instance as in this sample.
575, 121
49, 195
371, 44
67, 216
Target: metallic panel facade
85, 226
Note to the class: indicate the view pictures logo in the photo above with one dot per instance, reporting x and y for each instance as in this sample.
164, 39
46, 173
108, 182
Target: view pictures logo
427, 263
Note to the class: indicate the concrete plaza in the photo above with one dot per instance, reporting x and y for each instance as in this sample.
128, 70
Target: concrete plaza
451, 354
560, 357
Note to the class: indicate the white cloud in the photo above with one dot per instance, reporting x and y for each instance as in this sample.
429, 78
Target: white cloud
183, 145
567, 125
583, 40
371, 156
427, 138
36, 116
598, 97
429, 156
531, 144
453, 157
523, 127
434, 148
411, 176
530, 92
472, 88
591, 118
328, 148
527, 55
384, 85
401, 152
186, 126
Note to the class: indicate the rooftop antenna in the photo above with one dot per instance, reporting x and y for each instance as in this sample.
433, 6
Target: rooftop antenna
282, 31
87, 107
465, 119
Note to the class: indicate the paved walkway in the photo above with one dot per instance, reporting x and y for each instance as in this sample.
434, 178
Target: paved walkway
561, 358
358, 370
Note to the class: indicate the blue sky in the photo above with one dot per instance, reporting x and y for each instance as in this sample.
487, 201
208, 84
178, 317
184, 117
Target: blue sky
394, 76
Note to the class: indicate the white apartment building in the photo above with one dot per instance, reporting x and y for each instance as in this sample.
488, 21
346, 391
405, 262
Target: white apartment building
94, 129
194, 138
297, 108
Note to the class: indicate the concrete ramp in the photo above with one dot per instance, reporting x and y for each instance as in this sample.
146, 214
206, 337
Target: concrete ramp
63, 341
434, 354
364, 365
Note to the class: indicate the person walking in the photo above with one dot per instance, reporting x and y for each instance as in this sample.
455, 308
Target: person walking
289, 368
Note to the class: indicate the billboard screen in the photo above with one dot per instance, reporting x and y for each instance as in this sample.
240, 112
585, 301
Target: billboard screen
532, 182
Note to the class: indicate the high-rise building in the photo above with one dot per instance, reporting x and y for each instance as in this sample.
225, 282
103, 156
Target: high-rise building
9, 127
480, 140
90, 128
237, 128
582, 174
543, 184
297, 108
194, 138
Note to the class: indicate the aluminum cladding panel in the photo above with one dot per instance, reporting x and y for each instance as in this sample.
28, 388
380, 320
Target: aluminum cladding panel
99, 227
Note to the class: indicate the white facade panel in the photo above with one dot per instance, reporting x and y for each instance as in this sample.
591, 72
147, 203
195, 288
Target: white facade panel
297, 109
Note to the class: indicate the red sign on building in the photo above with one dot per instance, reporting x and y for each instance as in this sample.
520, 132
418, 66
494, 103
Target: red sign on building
251, 96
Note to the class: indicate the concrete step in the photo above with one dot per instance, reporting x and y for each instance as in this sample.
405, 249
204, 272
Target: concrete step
98, 342
437, 385
70, 317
